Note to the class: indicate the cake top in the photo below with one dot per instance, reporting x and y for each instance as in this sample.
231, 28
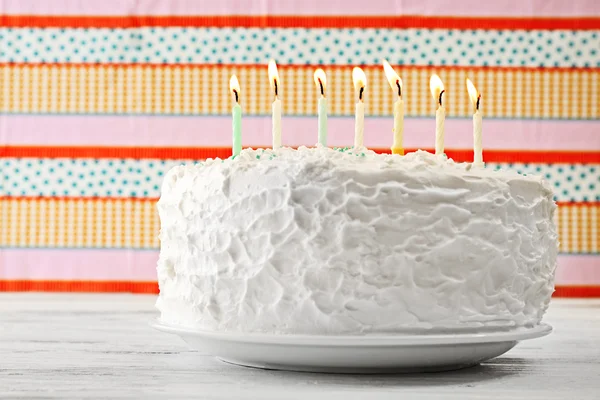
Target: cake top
362, 160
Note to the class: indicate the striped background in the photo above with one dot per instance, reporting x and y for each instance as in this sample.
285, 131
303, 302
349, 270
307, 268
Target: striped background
99, 99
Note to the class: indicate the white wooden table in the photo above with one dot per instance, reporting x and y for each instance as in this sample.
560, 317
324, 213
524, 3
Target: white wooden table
100, 346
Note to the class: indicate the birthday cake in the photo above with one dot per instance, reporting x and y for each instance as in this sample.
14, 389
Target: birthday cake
342, 242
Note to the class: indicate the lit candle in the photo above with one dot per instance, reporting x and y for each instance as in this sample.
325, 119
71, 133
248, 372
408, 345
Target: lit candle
437, 91
475, 97
360, 82
275, 85
320, 81
396, 84
236, 112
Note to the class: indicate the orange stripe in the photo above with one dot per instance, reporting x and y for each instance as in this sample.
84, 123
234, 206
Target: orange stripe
199, 153
313, 21
152, 287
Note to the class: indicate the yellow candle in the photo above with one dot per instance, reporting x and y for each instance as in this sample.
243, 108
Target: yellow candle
437, 91
275, 85
360, 83
475, 97
396, 84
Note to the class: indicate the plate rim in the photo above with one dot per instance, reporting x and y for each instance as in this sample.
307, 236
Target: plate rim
522, 333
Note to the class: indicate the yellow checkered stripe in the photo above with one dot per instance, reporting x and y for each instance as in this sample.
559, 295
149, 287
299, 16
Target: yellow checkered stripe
204, 90
578, 225
86, 223
134, 223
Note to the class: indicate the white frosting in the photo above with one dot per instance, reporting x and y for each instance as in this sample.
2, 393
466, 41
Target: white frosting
322, 241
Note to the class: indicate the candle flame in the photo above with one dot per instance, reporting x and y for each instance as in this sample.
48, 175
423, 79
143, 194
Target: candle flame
274, 77
474, 95
234, 87
360, 81
320, 80
437, 88
393, 78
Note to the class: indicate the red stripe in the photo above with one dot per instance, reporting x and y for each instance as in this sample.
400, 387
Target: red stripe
316, 21
199, 153
78, 286
152, 287
577, 291
79, 198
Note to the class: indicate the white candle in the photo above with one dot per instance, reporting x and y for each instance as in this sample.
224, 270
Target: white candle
396, 84
437, 91
360, 82
321, 81
275, 85
475, 97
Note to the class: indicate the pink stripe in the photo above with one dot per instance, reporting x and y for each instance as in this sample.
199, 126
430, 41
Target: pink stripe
578, 270
215, 131
131, 265
61, 264
510, 8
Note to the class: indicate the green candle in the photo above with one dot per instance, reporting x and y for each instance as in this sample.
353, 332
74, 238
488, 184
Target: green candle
236, 113
320, 80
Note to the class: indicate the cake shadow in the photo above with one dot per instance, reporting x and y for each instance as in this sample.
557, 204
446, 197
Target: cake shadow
495, 369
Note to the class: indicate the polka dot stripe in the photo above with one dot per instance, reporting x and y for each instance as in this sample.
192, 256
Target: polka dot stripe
131, 178
330, 46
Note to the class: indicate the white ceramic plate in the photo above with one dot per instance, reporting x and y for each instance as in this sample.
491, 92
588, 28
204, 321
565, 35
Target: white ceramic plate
355, 354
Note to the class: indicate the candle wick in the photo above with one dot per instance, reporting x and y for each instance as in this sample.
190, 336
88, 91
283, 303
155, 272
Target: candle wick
275, 83
322, 89
399, 88
440, 101
360, 93
477, 106
237, 100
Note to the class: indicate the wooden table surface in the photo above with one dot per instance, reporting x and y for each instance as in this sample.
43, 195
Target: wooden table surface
75, 346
